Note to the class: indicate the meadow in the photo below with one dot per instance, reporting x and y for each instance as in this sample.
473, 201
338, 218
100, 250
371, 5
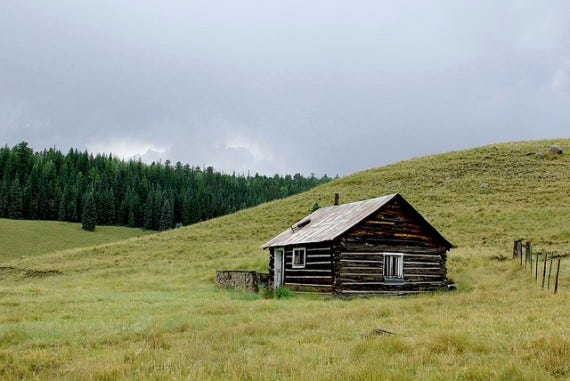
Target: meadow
22, 238
147, 307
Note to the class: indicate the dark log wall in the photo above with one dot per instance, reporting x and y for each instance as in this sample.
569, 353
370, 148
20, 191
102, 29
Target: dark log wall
394, 229
395, 224
317, 273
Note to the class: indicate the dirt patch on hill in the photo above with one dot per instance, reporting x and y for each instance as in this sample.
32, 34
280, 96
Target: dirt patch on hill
27, 272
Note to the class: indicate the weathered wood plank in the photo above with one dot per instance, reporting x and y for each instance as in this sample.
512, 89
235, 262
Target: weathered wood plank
384, 293
415, 276
361, 261
309, 263
395, 286
309, 285
356, 268
315, 249
406, 254
416, 271
410, 264
289, 277
306, 270
303, 287
360, 275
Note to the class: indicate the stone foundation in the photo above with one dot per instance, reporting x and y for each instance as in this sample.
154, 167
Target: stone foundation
235, 279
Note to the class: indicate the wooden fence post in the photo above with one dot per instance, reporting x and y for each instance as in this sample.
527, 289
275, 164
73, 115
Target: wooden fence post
550, 270
556, 278
519, 249
544, 270
530, 262
528, 250
536, 268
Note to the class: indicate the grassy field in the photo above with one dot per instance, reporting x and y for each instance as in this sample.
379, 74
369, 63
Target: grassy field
147, 308
21, 238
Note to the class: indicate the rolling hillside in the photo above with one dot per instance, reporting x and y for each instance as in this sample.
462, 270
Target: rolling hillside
22, 238
147, 307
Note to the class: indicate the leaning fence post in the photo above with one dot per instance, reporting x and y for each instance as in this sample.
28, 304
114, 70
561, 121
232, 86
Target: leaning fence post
556, 278
544, 269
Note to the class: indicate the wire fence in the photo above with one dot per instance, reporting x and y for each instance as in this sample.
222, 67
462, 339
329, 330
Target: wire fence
545, 266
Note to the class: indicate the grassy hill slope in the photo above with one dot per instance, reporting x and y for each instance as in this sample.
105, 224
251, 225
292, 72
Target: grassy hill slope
147, 307
29, 238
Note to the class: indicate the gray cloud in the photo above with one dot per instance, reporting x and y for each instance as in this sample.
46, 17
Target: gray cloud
325, 87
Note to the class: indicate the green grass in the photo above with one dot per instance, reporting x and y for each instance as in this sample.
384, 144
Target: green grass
147, 308
23, 238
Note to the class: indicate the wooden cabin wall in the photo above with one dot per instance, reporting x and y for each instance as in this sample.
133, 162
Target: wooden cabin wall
360, 255
395, 224
317, 275
362, 273
271, 268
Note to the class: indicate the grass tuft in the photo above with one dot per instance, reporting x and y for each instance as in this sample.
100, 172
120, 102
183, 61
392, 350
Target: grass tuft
282, 293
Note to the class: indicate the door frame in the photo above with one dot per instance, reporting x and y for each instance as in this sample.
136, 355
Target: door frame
278, 267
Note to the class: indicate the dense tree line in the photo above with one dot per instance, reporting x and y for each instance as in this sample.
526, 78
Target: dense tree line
50, 185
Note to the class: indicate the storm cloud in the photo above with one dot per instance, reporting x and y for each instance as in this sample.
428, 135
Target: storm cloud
282, 87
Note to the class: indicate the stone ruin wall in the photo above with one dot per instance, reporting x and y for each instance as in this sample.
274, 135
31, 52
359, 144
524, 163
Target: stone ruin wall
243, 280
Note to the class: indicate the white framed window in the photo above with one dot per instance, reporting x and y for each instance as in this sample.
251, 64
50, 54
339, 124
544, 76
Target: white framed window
393, 266
299, 257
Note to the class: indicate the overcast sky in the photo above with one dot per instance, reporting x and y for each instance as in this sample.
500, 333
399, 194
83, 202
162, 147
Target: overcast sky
282, 86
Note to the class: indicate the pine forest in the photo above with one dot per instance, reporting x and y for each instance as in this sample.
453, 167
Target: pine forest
50, 185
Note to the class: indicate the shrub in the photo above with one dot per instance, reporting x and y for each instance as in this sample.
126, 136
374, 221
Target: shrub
282, 292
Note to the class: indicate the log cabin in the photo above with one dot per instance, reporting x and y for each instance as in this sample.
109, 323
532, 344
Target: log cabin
377, 246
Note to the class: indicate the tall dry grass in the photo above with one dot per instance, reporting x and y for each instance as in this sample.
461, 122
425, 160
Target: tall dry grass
147, 308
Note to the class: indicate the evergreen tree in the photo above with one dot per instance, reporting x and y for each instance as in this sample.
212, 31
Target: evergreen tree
16, 200
4, 199
136, 208
89, 216
71, 205
48, 192
61, 213
107, 205
131, 221
27, 198
148, 211
187, 213
157, 210
166, 217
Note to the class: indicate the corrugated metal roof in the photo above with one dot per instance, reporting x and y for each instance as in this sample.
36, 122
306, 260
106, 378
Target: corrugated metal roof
327, 223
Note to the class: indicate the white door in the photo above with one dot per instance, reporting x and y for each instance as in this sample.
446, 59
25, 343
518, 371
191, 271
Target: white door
278, 267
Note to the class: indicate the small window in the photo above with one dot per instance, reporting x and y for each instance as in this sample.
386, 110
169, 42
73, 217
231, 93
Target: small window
299, 257
394, 267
